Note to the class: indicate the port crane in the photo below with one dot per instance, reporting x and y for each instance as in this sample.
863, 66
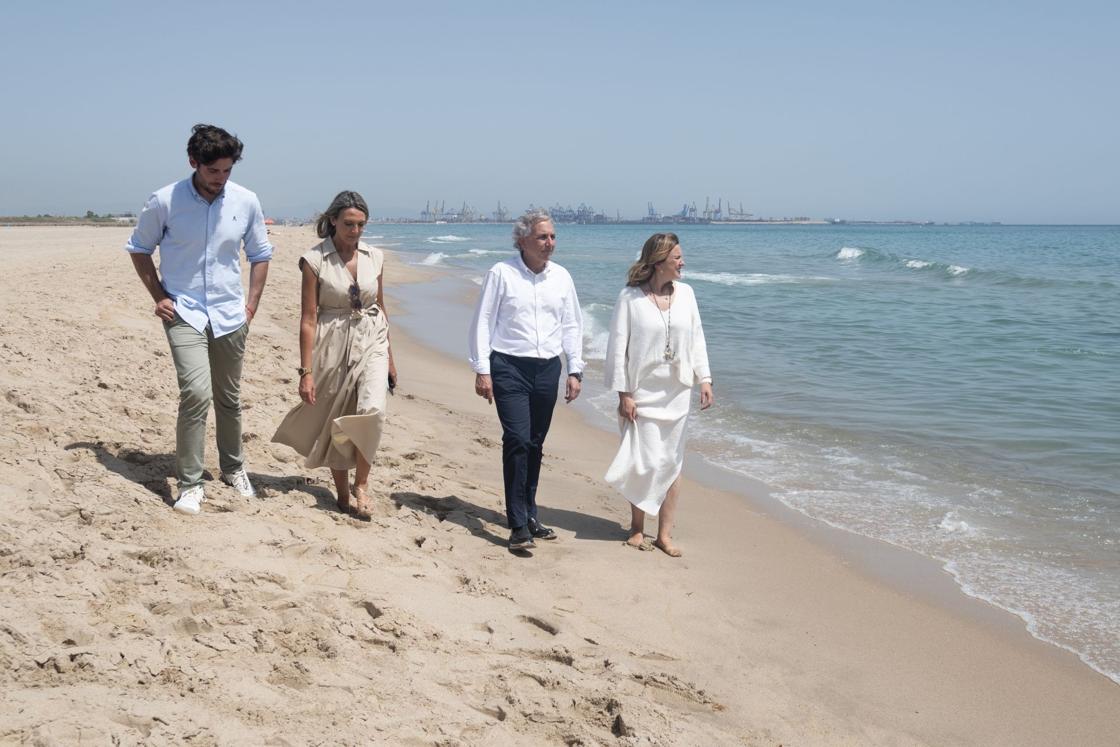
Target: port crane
740, 214
431, 213
710, 214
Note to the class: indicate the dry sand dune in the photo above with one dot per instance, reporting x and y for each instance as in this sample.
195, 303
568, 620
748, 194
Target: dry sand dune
277, 620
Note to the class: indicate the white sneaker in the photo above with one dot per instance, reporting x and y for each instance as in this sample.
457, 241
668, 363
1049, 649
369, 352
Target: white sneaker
239, 481
190, 500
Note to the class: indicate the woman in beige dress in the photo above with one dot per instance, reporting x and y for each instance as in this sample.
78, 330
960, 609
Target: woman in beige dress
346, 363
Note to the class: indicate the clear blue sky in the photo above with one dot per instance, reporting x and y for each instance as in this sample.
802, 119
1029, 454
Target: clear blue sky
884, 110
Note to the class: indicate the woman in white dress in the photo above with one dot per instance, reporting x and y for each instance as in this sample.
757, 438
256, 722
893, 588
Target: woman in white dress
655, 354
346, 363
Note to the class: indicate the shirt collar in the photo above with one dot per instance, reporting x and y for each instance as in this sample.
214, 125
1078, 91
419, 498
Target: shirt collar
194, 191
330, 248
525, 268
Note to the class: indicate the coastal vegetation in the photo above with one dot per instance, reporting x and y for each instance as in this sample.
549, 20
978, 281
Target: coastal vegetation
89, 219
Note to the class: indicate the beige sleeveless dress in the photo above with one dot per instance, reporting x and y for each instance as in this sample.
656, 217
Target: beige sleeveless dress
350, 364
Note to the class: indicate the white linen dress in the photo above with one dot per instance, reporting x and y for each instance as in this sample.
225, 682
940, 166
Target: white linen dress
350, 363
651, 453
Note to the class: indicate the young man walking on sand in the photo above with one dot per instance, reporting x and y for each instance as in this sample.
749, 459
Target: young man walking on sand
199, 225
528, 314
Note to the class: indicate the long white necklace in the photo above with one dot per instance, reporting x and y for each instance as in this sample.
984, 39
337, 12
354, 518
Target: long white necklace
666, 319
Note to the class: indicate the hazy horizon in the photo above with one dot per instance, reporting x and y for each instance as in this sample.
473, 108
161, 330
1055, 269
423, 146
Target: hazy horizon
869, 111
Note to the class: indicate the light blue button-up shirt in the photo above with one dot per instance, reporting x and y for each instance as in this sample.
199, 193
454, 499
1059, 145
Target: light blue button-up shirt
199, 250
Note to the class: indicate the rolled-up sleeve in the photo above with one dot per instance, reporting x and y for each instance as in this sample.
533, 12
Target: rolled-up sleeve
257, 246
149, 228
618, 343
482, 326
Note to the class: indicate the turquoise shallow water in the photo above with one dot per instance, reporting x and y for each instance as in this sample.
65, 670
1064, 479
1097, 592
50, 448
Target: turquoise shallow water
949, 389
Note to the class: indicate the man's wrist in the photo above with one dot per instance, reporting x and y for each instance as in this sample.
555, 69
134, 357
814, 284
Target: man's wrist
578, 376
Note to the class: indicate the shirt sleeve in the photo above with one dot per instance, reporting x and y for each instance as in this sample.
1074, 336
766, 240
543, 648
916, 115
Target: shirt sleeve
571, 330
618, 346
313, 258
482, 326
700, 367
257, 246
149, 228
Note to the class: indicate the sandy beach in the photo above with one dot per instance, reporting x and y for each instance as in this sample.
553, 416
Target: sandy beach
277, 620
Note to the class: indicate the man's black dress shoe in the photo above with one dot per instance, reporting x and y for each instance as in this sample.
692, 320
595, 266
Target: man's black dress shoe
521, 539
539, 531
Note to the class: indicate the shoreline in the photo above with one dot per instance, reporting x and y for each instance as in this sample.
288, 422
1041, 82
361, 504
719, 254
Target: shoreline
271, 618
446, 301
901, 570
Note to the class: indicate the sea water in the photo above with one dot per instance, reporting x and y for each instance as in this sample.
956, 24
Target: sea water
949, 389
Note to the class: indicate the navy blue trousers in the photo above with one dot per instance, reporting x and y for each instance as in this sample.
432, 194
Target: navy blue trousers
525, 391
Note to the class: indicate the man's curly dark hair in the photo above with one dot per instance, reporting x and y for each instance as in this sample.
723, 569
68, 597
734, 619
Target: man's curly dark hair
209, 143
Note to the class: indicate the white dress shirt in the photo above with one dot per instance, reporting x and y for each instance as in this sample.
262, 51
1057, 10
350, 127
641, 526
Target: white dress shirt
528, 315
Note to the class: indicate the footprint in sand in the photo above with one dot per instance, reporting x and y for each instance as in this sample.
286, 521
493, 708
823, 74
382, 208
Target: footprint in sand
481, 587
675, 686
541, 623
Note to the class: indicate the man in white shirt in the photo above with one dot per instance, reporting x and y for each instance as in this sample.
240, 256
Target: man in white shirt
527, 315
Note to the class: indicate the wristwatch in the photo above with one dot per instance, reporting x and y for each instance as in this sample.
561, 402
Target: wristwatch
577, 376
303, 371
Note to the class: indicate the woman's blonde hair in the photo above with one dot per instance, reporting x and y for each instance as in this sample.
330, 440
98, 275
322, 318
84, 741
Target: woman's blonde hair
656, 249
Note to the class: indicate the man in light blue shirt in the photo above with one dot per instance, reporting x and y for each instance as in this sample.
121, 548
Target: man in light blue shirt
199, 225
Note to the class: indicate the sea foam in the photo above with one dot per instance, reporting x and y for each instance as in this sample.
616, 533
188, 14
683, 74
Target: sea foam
447, 239
596, 322
755, 278
951, 523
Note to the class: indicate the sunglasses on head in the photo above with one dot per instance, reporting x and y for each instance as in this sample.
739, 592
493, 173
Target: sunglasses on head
355, 296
